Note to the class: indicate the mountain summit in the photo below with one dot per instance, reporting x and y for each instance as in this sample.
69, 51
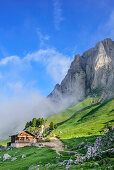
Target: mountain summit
91, 73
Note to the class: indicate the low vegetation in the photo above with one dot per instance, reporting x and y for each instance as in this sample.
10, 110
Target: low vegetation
52, 126
4, 143
33, 156
80, 128
45, 158
88, 122
35, 122
66, 114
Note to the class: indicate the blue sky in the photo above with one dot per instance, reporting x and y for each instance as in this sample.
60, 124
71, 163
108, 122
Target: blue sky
39, 38
38, 41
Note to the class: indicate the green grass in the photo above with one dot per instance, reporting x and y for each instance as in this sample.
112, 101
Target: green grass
4, 143
73, 142
32, 129
80, 123
66, 114
42, 156
90, 165
34, 156
84, 121
88, 122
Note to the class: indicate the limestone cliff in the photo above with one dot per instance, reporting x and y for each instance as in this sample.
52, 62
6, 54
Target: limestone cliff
91, 72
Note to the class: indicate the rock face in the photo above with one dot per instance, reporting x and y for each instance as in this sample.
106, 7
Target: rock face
91, 72
98, 150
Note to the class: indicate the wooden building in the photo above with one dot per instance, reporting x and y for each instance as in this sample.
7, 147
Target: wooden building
22, 139
24, 136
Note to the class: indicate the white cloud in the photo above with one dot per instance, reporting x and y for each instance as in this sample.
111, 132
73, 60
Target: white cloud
42, 37
58, 18
56, 63
8, 59
15, 112
19, 99
57, 66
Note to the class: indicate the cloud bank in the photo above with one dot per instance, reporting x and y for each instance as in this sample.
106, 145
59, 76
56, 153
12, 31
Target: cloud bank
20, 101
56, 63
16, 111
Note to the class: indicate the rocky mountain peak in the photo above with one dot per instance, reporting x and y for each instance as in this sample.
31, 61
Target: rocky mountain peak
91, 72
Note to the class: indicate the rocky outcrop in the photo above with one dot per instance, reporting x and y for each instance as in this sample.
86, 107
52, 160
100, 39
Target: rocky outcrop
6, 156
103, 146
91, 72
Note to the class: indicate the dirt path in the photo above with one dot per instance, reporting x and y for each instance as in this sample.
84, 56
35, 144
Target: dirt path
54, 144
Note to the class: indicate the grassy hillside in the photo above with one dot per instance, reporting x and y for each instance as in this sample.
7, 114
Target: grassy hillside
83, 121
44, 159
66, 114
34, 156
4, 143
89, 122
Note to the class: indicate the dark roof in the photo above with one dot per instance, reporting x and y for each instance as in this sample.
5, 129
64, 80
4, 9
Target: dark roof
14, 135
29, 132
24, 131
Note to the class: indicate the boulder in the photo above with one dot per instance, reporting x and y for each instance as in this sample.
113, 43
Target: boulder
81, 145
70, 161
88, 145
47, 164
23, 156
6, 156
67, 167
96, 164
13, 159
33, 167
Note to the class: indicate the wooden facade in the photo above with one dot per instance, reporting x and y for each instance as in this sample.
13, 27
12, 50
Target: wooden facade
22, 139
24, 136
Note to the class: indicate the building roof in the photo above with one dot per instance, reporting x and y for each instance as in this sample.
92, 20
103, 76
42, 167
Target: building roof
29, 133
24, 131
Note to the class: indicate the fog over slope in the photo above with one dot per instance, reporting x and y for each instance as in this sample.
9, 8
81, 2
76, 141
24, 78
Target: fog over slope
20, 95
16, 111
94, 70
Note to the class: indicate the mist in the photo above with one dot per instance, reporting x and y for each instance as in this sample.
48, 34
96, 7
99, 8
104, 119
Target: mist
15, 111
22, 82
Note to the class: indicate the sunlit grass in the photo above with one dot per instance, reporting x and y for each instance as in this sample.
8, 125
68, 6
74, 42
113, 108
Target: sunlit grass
4, 143
65, 114
89, 122
34, 156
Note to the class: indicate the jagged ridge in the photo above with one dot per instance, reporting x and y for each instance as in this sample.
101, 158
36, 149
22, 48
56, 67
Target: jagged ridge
91, 72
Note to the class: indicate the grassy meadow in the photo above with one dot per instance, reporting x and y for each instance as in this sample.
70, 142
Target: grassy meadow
85, 122
66, 114
40, 157
34, 156
4, 143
